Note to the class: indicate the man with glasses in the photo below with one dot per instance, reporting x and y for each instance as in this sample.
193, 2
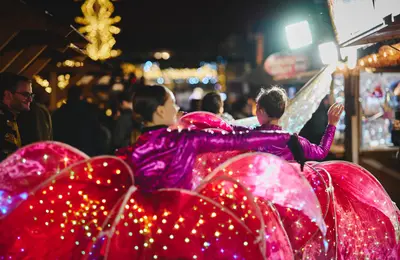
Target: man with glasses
15, 97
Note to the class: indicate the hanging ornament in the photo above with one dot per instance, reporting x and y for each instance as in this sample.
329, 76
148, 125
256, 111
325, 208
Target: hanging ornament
99, 28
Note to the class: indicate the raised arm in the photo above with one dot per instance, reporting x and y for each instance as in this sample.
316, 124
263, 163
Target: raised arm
218, 141
319, 152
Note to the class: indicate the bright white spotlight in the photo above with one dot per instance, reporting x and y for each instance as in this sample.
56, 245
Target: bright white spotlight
298, 35
328, 53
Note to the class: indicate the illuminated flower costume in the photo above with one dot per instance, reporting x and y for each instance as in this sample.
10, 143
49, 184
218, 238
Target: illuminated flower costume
72, 206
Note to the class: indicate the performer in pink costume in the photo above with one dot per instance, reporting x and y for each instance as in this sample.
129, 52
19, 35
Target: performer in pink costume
350, 197
163, 157
271, 105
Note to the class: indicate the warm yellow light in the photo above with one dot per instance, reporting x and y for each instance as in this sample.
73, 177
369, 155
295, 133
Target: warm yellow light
42, 82
165, 55
99, 28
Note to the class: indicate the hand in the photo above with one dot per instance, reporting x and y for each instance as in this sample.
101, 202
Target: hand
334, 113
180, 114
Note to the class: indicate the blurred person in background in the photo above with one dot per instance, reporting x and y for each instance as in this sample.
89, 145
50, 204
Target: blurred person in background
124, 131
15, 97
212, 102
77, 124
314, 129
241, 108
36, 124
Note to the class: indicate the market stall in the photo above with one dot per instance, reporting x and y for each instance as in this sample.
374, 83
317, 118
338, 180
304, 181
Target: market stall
369, 88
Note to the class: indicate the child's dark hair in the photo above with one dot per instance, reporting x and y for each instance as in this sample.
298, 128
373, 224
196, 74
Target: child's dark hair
273, 101
212, 102
147, 99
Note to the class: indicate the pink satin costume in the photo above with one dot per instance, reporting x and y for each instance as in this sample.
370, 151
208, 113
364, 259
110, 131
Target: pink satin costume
164, 158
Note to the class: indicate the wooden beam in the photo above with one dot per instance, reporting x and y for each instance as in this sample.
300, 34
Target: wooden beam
7, 58
36, 67
54, 90
39, 64
6, 36
29, 55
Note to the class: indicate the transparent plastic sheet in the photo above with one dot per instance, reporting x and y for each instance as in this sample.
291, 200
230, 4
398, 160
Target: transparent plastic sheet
259, 215
28, 167
271, 179
63, 214
303, 105
176, 224
367, 220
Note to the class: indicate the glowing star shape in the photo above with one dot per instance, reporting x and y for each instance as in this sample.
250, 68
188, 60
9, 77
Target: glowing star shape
99, 28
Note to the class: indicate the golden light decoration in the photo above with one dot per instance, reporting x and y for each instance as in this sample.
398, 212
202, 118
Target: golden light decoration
63, 81
70, 63
386, 57
99, 28
154, 72
128, 68
43, 82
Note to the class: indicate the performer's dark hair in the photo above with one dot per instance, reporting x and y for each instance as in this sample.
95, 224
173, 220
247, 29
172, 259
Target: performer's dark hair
273, 101
212, 102
147, 99
9, 81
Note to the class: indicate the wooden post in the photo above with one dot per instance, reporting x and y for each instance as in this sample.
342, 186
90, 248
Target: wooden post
352, 120
54, 90
260, 49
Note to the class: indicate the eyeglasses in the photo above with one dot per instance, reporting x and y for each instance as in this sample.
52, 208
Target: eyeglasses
26, 94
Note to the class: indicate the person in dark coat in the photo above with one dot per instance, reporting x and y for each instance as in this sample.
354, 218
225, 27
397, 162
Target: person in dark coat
77, 124
35, 124
124, 127
15, 97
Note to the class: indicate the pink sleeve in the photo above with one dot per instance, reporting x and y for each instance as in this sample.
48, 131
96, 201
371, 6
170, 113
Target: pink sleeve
318, 152
217, 141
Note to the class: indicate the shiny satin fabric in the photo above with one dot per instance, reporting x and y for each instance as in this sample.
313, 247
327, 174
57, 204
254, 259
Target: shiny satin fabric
164, 158
62, 216
311, 151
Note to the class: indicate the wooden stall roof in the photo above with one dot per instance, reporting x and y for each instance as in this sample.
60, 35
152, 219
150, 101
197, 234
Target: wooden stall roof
388, 30
30, 36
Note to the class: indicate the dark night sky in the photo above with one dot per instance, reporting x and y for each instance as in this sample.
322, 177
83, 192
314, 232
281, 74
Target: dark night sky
191, 26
